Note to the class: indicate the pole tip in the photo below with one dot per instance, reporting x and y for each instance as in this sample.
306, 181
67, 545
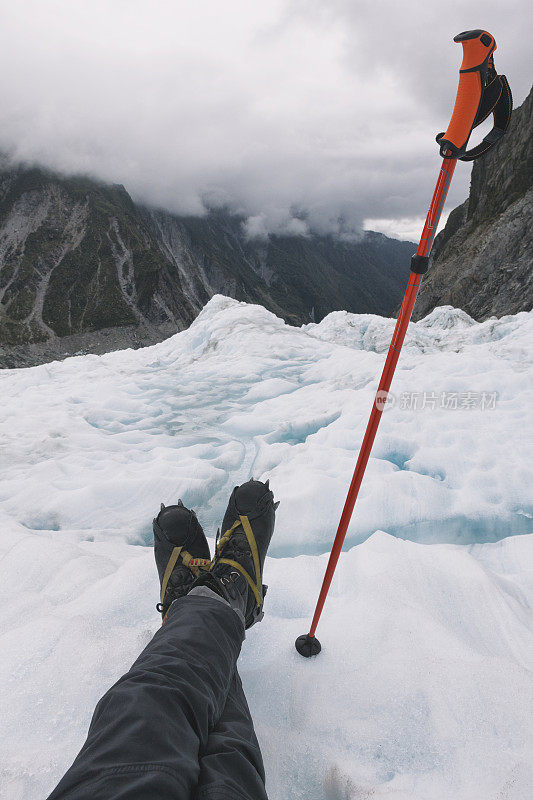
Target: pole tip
308, 645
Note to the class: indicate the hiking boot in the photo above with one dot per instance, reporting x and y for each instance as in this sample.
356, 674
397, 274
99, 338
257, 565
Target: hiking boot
237, 568
180, 550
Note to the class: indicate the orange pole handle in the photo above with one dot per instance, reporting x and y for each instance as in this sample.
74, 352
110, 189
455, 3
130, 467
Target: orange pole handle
478, 47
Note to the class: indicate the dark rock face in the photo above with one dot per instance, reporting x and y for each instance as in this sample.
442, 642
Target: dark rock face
482, 261
77, 257
82, 267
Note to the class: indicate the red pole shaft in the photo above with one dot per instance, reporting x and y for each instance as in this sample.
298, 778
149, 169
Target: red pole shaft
424, 248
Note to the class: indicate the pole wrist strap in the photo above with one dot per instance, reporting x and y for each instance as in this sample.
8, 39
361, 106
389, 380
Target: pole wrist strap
481, 92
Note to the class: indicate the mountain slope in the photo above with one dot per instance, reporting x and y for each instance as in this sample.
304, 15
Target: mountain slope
77, 256
482, 261
83, 267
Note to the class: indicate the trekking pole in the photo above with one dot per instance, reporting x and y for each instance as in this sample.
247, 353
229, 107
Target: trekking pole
481, 92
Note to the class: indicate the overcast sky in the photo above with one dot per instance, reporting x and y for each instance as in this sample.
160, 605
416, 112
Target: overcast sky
324, 110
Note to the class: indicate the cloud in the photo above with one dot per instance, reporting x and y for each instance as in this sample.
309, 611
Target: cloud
301, 115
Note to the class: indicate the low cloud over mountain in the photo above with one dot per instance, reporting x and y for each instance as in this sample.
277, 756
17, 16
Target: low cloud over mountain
297, 114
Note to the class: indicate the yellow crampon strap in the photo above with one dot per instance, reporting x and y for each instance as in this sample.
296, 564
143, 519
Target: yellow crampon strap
195, 563
187, 560
224, 538
256, 585
168, 572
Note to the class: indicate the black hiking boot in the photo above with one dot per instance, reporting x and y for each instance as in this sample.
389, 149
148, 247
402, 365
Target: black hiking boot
237, 568
180, 550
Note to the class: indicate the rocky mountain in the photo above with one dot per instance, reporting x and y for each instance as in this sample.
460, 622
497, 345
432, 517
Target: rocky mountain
482, 261
82, 267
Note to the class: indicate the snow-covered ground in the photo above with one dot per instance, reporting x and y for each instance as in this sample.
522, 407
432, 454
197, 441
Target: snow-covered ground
424, 688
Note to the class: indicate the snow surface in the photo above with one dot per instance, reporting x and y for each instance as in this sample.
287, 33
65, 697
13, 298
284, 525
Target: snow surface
424, 688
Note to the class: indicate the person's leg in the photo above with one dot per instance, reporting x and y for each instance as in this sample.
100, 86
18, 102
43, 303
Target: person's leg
148, 731
231, 765
149, 728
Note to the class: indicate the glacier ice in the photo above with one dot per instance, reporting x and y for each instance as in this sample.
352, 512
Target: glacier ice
423, 688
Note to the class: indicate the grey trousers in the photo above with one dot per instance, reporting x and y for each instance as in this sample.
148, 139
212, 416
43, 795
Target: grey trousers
177, 725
